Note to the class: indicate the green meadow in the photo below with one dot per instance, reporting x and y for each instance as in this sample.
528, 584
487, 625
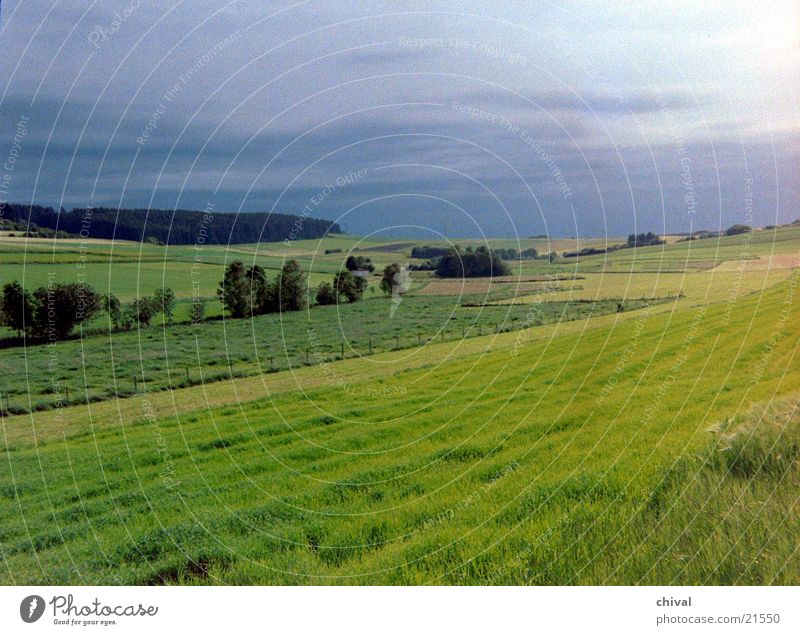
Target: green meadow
635, 422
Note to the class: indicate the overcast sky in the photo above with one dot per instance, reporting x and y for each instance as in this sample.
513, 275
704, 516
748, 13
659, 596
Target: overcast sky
476, 118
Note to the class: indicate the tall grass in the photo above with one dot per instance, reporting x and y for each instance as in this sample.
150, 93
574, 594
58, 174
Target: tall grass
492, 469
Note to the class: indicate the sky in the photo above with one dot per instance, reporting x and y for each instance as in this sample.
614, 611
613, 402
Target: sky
399, 118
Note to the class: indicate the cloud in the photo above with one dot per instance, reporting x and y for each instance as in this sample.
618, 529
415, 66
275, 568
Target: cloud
307, 93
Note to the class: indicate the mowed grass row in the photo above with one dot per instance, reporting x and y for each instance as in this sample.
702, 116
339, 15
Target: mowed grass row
159, 358
567, 462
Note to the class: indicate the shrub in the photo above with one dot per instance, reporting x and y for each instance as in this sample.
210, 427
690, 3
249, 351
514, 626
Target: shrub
349, 286
733, 230
325, 294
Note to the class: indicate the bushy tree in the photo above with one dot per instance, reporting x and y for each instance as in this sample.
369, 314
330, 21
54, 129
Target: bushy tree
349, 286
141, 311
62, 307
325, 294
291, 287
198, 310
17, 307
114, 310
643, 240
391, 276
235, 290
359, 263
164, 299
733, 230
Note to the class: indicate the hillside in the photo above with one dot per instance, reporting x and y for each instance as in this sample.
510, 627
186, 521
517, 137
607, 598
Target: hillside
494, 467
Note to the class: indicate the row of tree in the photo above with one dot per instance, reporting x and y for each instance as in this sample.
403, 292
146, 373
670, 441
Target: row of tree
435, 253
247, 291
53, 312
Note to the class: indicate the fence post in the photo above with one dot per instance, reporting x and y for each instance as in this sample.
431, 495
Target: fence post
370, 346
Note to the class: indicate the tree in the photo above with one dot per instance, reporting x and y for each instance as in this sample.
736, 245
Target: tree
234, 290
359, 263
62, 307
643, 240
114, 310
388, 279
396, 279
198, 310
291, 287
733, 230
349, 286
261, 293
325, 294
17, 307
164, 299
141, 311
246, 291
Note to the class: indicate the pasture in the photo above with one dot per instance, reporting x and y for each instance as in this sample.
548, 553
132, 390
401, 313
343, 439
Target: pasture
634, 423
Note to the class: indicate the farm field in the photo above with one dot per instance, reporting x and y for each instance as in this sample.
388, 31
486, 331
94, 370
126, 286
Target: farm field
623, 418
102, 367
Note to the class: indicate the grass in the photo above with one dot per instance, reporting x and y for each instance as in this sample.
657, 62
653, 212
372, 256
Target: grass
579, 457
104, 367
547, 438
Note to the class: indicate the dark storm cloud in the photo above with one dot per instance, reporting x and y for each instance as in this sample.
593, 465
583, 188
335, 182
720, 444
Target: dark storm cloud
583, 102
259, 105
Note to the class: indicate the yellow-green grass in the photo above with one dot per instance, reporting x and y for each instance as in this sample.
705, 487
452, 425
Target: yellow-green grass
548, 460
695, 254
709, 286
127, 410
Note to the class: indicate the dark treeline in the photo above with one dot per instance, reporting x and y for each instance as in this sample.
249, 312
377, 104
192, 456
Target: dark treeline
429, 252
634, 240
593, 251
181, 227
504, 254
469, 263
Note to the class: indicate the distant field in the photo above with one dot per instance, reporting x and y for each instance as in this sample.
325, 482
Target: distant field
625, 418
